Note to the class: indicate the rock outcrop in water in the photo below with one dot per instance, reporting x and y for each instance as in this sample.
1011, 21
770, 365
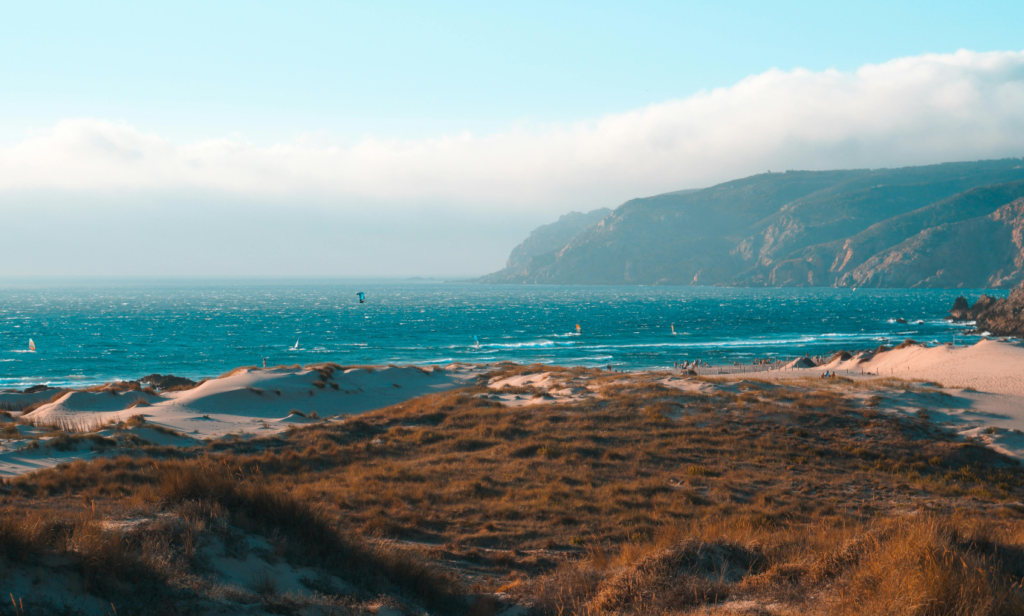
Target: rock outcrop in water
940, 226
963, 311
1000, 317
164, 382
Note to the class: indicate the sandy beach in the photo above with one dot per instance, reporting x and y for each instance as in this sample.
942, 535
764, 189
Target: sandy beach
976, 390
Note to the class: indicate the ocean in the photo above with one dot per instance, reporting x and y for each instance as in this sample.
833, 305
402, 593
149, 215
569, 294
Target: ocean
92, 333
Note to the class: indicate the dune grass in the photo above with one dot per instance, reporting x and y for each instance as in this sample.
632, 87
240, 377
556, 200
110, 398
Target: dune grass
647, 499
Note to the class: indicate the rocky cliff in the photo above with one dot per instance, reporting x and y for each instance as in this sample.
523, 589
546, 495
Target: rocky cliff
950, 225
1000, 317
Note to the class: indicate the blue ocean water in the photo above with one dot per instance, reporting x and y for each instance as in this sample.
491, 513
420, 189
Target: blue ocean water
92, 333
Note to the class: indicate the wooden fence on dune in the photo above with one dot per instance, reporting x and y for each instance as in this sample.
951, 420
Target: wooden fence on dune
725, 369
737, 368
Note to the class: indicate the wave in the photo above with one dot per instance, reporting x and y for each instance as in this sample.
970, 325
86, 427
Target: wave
539, 344
595, 358
535, 344
748, 342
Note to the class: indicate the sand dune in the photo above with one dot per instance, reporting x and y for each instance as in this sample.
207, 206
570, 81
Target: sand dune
246, 403
250, 399
989, 366
982, 386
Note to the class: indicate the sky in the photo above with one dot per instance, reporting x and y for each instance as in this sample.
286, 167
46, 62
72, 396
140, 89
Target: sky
401, 139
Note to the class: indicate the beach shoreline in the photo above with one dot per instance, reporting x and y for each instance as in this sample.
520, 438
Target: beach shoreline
979, 393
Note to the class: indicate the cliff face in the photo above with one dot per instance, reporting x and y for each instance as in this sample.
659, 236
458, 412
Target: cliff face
545, 240
951, 225
982, 252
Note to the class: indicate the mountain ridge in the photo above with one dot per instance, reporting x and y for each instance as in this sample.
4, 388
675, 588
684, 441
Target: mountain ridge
911, 226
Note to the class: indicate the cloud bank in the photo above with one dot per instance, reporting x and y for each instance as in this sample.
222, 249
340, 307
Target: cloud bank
916, 110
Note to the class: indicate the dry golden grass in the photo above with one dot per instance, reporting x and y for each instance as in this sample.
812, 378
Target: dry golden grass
919, 565
646, 500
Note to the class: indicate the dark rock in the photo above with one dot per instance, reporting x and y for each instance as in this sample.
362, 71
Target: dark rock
1001, 317
984, 303
803, 362
36, 389
162, 382
962, 312
901, 321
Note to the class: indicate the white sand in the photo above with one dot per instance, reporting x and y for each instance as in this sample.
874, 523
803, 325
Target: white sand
989, 366
983, 385
247, 403
550, 388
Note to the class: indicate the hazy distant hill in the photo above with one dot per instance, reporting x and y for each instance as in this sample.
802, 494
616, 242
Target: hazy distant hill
949, 225
544, 242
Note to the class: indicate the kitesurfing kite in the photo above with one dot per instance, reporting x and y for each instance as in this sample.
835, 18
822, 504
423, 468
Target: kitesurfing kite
362, 297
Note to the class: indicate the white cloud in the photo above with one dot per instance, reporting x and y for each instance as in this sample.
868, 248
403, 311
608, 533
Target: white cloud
915, 110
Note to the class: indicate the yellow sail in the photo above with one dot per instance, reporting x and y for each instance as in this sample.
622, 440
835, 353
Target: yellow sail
578, 328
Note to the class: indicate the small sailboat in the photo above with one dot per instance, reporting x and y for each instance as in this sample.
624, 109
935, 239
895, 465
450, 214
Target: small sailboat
31, 345
673, 329
578, 329
476, 341
296, 347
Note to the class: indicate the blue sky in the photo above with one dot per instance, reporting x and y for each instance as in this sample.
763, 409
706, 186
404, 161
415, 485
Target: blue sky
271, 70
392, 138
